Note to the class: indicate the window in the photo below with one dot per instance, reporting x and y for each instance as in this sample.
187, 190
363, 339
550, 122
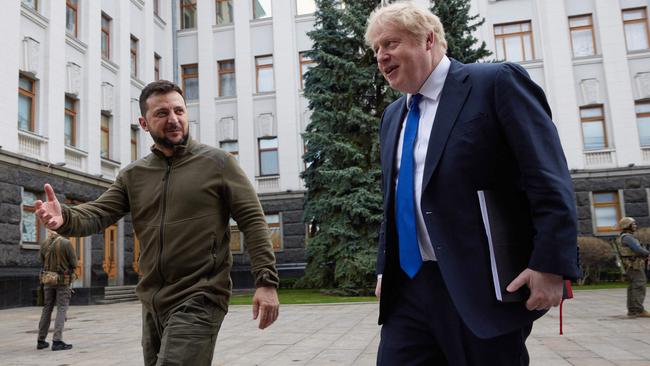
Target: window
227, 84
274, 229
261, 9
231, 146
26, 103
582, 35
236, 238
31, 227
105, 151
106, 36
224, 11
31, 4
134, 143
607, 211
635, 22
109, 263
134, 56
156, 11
188, 14
514, 41
191, 81
643, 122
593, 127
306, 63
71, 8
268, 150
156, 66
264, 71
305, 7
70, 127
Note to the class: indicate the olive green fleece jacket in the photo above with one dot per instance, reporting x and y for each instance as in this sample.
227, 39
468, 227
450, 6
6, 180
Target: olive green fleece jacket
180, 207
65, 261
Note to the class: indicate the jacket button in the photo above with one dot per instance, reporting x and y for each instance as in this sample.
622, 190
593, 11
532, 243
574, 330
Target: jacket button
428, 213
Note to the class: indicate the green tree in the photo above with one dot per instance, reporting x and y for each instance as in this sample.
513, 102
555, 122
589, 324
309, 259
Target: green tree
347, 95
459, 25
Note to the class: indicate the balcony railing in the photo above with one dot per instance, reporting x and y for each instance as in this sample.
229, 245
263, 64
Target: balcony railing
110, 168
75, 158
268, 184
600, 158
645, 153
32, 145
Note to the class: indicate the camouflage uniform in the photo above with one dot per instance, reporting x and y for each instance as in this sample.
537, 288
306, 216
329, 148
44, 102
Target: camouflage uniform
633, 256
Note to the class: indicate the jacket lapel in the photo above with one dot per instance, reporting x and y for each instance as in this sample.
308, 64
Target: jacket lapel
452, 98
392, 136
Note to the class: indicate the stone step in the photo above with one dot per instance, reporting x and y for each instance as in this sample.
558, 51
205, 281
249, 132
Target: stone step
115, 294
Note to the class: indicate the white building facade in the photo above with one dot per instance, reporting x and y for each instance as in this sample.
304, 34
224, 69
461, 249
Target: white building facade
73, 70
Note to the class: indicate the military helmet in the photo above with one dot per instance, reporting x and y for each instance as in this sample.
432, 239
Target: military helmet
626, 223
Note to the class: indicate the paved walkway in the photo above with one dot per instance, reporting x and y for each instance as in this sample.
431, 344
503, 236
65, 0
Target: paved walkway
596, 333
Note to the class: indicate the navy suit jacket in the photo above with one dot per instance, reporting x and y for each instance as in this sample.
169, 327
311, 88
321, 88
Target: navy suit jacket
492, 130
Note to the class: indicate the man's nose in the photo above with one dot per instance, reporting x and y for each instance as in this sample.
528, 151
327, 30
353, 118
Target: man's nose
173, 118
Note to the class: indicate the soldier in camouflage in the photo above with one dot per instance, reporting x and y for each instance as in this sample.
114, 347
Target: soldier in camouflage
634, 258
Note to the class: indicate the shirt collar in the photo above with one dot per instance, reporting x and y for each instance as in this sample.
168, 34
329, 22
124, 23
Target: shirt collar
432, 87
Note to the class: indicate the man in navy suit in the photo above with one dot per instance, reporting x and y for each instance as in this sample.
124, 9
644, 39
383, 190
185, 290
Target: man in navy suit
458, 129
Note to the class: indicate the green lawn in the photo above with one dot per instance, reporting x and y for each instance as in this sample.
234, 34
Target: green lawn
301, 296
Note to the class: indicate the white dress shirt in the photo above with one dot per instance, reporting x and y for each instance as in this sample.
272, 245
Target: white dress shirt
430, 91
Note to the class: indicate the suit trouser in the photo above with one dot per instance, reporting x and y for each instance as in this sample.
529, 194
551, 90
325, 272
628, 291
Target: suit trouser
51, 295
185, 336
635, 290
424, 328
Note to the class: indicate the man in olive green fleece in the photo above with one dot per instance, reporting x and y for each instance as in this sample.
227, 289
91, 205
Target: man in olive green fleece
181, 198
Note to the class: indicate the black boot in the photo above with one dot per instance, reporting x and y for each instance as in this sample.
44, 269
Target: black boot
60, 346
42, 344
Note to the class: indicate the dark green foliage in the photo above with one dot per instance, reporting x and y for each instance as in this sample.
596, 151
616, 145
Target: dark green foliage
455, 18
346, 97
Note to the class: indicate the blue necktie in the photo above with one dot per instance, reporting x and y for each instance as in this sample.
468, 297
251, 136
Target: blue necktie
409, 251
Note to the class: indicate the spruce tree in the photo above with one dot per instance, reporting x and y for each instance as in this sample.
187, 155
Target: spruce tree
459, 25
347, 95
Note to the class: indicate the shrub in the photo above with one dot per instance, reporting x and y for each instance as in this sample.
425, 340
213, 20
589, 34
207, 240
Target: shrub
644, 236
596, 256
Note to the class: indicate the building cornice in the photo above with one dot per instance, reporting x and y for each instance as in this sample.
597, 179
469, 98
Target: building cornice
611, 172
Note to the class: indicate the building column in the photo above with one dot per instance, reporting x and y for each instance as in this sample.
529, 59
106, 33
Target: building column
120, 252
207, 72
124, 115
92, 91
559, 76
53, 84
244, 78
621, 117
285, 64
10, 29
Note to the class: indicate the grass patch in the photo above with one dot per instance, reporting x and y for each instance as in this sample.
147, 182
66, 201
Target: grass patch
301, 296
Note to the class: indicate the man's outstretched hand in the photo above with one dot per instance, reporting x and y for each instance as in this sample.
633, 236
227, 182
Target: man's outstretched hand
49, 213
266, 305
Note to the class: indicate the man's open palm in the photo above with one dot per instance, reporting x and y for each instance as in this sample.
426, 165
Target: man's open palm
49, 213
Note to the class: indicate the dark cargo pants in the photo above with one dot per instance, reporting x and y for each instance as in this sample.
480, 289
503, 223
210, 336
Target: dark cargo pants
185, 336
635, 290
59, 295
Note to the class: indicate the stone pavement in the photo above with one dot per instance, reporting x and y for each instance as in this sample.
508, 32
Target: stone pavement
597, 332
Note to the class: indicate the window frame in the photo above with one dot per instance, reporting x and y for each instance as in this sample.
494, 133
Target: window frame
134, 143
235, 153
105, 131
75, 10
601, 119
278, 225
183, 5
32, 209
236, 237
134, 55
185, 76
225, 71
156, 8
520, 34
74, 133
259, 67
255, 16
260, 151
32, 96
106, 31
216, 12
595, 205
306, 14
643, 20
580, 28
303, 60
642, 115
156, 66
35, 7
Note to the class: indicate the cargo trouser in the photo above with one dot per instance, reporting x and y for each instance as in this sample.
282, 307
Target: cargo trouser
51, 295
185, 336
635, 290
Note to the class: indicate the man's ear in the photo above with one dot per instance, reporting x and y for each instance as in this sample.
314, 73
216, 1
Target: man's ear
431, 40
143, 123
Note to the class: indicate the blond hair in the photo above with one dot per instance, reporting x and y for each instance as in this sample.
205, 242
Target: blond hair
407, 17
